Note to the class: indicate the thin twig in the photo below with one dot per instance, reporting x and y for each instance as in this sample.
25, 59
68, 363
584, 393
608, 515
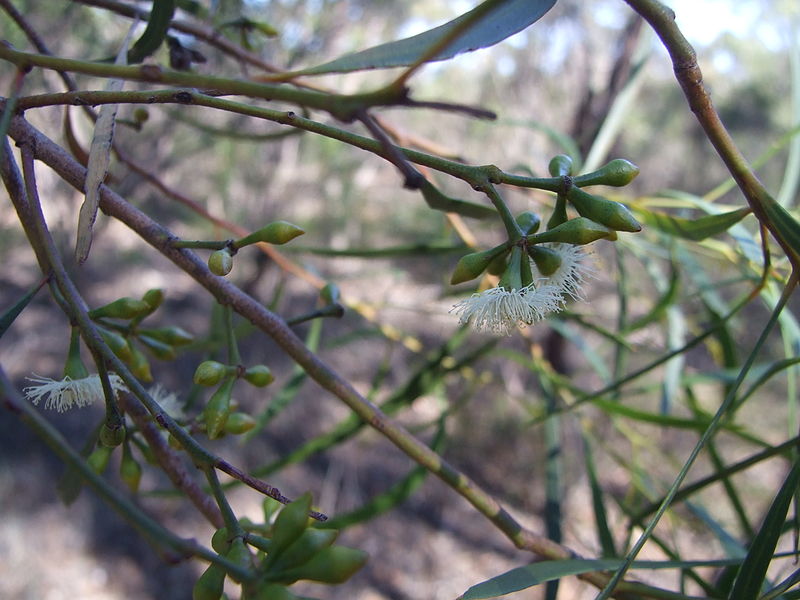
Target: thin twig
687, 72
169, 460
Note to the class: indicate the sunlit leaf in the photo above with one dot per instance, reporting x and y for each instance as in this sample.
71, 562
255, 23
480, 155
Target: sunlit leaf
506, 19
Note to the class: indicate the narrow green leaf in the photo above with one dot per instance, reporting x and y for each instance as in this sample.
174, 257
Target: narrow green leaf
598, 503
728, 542
97, 164
8, 317
524, 577
661, 420
754, 568
787, 226
154, 33
692, 229
664, 302
506, 19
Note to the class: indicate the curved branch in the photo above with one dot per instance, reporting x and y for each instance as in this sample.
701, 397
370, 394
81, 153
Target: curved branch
687, 72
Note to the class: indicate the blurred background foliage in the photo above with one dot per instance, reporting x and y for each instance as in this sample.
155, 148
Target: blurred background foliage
589, 80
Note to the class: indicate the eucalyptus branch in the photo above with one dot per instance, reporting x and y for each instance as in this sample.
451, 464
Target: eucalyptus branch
344, 107
474, 175
169, 460
200, 455
262, 487
687, 72
412, 177
225, 292
149, 527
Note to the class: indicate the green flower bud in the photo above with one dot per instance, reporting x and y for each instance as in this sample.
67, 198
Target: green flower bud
220, 541
512, 277
498, 264
525, 272
240, 553
140, 366
73, 366
278, 232
310, 542
606, 212
528, 222
619, 172
111, 437
239, 423
335, 564
172, 335
216, 412
159, 349
140, 115
578, 231
220, 262
130, 471
153, 298
209, 373
546, 260
472, 265
559, 215
330, 293
289, 525
123, 308
98, 459
210, 584
259, 375
118, 344
560, 165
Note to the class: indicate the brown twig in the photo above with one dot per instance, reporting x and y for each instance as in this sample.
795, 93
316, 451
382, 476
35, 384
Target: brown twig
169, 460
687, 72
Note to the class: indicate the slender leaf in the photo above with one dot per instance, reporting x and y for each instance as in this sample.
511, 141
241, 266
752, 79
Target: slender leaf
754, 568
664, 302
155, 32
9, 316
691, 229
506, 19
524, 577
598, 503
97, 164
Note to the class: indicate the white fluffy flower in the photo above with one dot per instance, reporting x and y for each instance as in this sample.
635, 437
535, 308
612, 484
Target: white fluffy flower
65, 393
501, 311
572, 273
168, 402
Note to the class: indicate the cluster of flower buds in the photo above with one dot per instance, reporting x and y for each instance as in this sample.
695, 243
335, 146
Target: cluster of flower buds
540, 271
161, 342
289, 550
280, 232
220, 415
